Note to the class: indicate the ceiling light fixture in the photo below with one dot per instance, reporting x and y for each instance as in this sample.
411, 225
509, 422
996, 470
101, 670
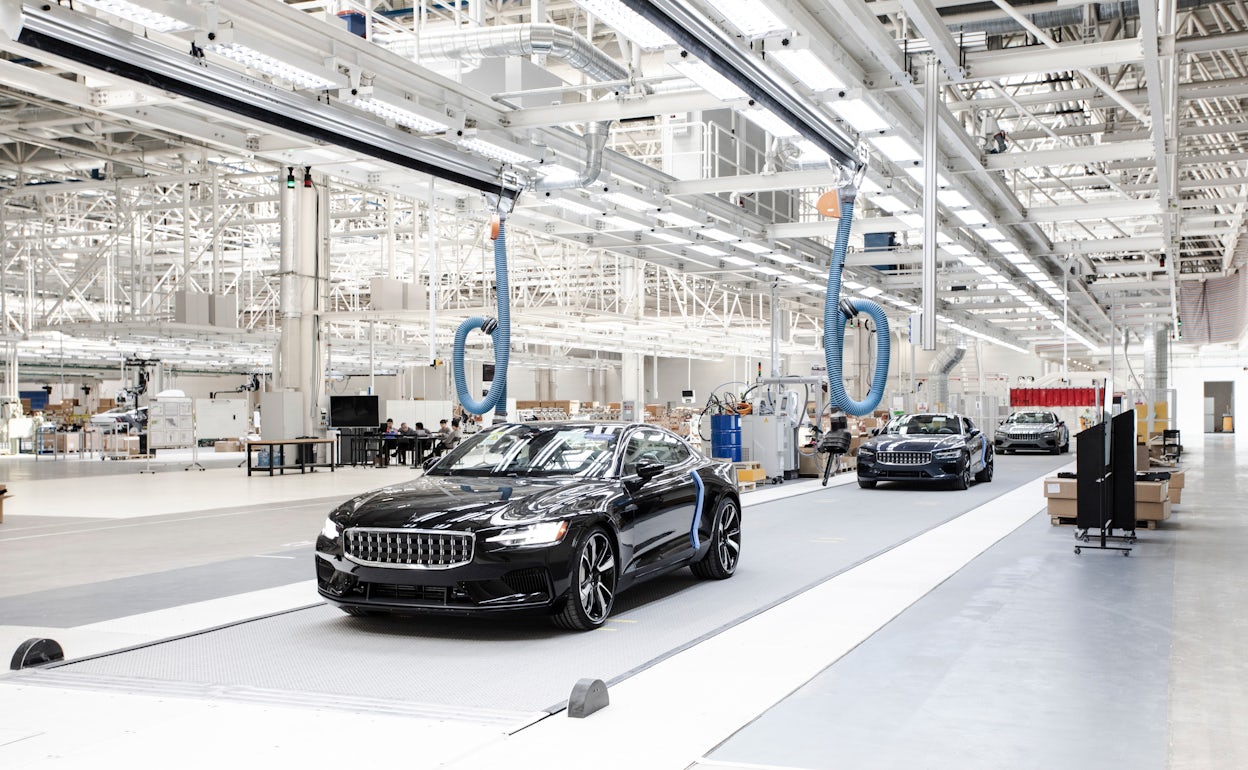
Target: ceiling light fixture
752, 17
269, 65
491, 150
859, 114
630, 202
741, 261
756, 248
971, 217
805, 65
706, 78
628, 23
895, 148
398, 115
677, 220
890, 203
770, 122
122, 9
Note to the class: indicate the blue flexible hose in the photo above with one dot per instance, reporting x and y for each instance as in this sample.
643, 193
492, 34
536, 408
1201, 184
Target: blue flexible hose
834, 328
500, 332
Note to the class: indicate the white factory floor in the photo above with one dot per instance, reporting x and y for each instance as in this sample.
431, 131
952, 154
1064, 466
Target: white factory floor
876, 628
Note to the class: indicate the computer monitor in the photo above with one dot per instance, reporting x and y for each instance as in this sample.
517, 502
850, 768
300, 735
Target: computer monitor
354, 412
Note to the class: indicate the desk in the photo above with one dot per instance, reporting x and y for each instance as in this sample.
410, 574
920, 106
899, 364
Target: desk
278, 462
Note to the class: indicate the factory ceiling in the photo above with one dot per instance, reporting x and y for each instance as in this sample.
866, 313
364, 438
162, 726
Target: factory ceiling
1091, 167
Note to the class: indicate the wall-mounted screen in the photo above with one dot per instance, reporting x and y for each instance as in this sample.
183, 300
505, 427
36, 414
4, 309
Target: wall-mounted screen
354, 412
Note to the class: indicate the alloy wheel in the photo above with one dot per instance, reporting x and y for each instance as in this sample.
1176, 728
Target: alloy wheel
596, 574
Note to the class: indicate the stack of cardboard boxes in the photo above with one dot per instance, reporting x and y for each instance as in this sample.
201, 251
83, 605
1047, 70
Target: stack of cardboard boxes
1153, 499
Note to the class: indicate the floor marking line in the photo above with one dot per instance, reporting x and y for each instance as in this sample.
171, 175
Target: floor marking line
150, 523
270, 556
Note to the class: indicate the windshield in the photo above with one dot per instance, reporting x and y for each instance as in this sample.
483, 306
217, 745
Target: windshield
929, 424
533, 450
1032, 418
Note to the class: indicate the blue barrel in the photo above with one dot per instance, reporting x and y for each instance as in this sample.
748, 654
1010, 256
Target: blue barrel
726, 436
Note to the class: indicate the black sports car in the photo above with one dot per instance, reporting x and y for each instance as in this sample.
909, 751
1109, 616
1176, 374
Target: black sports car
926, 447
541, 517
1033, 429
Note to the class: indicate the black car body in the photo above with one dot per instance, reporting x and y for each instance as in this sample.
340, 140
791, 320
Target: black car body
1033, 429
926, 447
541, 517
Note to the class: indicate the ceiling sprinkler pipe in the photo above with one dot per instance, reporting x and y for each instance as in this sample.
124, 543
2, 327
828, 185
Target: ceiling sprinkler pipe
499, 330
834, 318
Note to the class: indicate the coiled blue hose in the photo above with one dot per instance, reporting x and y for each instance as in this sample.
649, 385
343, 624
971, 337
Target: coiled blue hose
499, 329
834, 328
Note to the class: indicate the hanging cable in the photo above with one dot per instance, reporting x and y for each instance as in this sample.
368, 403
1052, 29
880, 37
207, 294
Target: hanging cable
499, 330
836, 312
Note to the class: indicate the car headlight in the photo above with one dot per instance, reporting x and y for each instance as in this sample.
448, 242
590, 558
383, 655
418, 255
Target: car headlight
948, 454
331, 530
545, 533
866, 450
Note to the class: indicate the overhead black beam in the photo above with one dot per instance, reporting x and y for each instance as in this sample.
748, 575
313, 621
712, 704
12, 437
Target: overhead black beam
102, 47
700, 37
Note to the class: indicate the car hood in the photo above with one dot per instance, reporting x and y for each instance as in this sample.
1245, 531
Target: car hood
470, 502
898, 443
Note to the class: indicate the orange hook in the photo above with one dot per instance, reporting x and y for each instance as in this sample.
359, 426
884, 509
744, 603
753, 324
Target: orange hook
829, 204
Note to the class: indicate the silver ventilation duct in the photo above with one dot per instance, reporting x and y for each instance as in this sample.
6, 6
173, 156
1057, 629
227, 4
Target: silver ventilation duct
522, 40
938, 379
1065, 17
595, 146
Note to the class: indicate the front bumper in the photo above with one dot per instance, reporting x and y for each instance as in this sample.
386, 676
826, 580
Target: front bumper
935, 470
533, 579
1043, 441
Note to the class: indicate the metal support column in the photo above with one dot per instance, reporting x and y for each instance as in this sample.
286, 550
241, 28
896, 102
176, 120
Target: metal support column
931, 103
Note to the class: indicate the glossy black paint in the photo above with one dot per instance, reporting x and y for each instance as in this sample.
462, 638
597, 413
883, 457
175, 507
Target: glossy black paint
1021, 430
968, 447
648, 513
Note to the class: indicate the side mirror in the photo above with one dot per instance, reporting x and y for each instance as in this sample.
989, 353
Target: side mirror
650, 469
428, 463
875, 431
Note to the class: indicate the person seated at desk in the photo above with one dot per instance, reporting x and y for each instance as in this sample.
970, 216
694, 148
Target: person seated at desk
389, 443
404, 442
446, 437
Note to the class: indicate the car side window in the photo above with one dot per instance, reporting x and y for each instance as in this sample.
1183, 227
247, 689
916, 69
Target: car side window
967, 426
653, 446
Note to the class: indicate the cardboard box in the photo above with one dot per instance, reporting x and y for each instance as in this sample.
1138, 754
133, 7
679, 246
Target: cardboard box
1141, 457
1177, 480
228, 445
1176, 495
1151, 491
1063, 507
1063, 489
750, 471
1152, 511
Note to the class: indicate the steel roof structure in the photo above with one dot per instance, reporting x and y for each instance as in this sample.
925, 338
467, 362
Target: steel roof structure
1091, 164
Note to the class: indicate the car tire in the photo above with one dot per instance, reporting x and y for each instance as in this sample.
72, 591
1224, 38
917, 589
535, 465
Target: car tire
594, 577
1066, 446
1056, 450
866, 483
963, 481
720, 561
986, 474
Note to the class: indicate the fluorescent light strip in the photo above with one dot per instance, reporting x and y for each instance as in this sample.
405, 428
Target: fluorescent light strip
859, 114
677, 220
783, 259
971, 217
157, 22
708, 79
629, 202
770, 122
805, 65
741, 261
397, 115
491, 150
752, 17
575, 207
767, 270
262, 62
715, 234
755, 248
895, 148
628, 23
710, 251
890, 203
972, 261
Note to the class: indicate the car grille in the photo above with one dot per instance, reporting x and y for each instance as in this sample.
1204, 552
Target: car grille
408, 548
904, 458
1017, 435
527, 581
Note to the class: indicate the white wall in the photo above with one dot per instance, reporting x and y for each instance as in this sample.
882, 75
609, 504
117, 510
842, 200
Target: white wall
1189, 385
